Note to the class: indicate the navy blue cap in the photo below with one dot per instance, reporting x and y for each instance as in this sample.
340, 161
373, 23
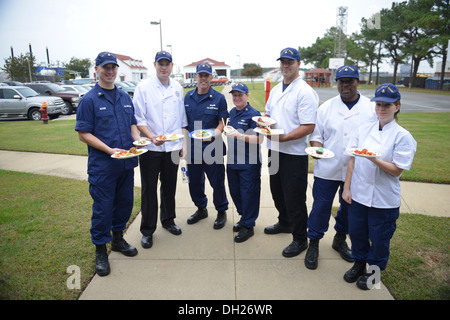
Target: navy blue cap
105, 57
163, 55
386, 92
289, 53
347, 71
242, 87
204, 67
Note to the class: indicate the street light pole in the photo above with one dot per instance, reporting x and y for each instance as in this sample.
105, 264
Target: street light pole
160, 30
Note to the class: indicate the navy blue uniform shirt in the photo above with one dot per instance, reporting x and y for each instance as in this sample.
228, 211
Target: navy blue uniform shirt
110, 121
242, 154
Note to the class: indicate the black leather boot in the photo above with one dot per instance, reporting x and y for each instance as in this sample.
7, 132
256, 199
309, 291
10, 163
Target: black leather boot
312, 255
220, 220
340, 245
358, 269
119, 244
201, 213
101, 261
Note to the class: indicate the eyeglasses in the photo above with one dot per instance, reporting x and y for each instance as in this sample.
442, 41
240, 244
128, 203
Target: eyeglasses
289, 62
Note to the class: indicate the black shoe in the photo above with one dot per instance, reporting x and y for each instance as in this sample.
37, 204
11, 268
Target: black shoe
340, 245
295, 248
173, 229
358, 269
147, 242
101, 261
277, 228
237, 227
362, 282
220, 220
119, 244
312, 255
244, 234
198, 215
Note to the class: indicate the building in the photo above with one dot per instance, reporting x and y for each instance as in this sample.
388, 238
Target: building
129, 69
220, 69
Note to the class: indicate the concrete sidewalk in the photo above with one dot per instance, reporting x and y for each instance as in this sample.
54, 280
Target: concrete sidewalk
203, 263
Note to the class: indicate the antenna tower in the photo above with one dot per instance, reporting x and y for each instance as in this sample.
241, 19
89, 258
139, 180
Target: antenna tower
341, 30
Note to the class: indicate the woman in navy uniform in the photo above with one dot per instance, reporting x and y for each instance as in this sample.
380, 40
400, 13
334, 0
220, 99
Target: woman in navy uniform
244, 162
106, 123
206, 109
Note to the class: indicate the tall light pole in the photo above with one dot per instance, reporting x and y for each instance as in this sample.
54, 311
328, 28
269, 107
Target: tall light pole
160, 30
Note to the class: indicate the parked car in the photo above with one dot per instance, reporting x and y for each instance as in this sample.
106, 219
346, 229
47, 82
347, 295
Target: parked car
83, 81
126, 87
71, 98
76, 87
24, 102
14, 83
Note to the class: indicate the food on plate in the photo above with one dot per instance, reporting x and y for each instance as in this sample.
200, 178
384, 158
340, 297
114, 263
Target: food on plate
127, 153
265, 130
261, 120
364, 152
228, 129
202, 133
174, 136
319, 150
162, 137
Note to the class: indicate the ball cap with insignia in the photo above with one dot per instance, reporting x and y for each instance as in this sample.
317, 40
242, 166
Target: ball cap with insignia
386, 92
204, 67
289, 53
106, 57
347, 71
163, 55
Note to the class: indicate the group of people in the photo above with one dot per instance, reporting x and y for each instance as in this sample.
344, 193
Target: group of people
369, 191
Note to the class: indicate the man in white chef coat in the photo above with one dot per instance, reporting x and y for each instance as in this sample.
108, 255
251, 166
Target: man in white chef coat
159, 111
336, 120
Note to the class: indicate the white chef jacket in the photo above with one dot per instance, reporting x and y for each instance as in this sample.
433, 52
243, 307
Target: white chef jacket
161, 110
335, 124
295, 106
370, 185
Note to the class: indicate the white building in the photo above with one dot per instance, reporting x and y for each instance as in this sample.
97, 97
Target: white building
220, 69
129, 69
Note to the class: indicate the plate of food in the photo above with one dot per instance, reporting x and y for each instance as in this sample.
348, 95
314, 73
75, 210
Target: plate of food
268, 131
229, 129
142, 142
202, 134
171, 137
264, 121
362, 152
319, 152
126, 154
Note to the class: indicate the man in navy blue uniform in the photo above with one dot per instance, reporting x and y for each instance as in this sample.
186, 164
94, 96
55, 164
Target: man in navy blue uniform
206, 109
106, 123
244, 162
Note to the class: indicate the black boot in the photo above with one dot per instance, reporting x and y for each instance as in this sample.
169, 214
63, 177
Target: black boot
358, 269
119, 244
220, 220
312, 254
101, 261
340, 245
201, 213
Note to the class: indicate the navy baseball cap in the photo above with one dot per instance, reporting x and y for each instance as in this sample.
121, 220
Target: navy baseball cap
163, 55
347, 71
289, 53
386, 92
106, 57
204, 67
242, 87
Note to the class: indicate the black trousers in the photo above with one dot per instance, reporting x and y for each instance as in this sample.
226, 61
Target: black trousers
288, 183
154, 165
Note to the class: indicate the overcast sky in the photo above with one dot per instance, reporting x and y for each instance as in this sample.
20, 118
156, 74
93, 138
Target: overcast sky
232, 31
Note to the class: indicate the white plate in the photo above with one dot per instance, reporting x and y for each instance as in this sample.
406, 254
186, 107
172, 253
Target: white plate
207, 133
229, 129
171, 137
147, 142
273, 132
352, 152
325, 155
267, 121
132, 155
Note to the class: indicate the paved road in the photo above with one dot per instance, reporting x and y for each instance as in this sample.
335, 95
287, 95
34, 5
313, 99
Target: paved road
411, 101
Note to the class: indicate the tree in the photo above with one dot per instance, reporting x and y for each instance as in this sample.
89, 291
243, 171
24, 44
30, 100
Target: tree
252, 70
320, 52
21, 68
79, 65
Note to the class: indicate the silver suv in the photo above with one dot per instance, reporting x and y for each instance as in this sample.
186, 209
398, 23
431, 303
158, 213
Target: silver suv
24, 102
